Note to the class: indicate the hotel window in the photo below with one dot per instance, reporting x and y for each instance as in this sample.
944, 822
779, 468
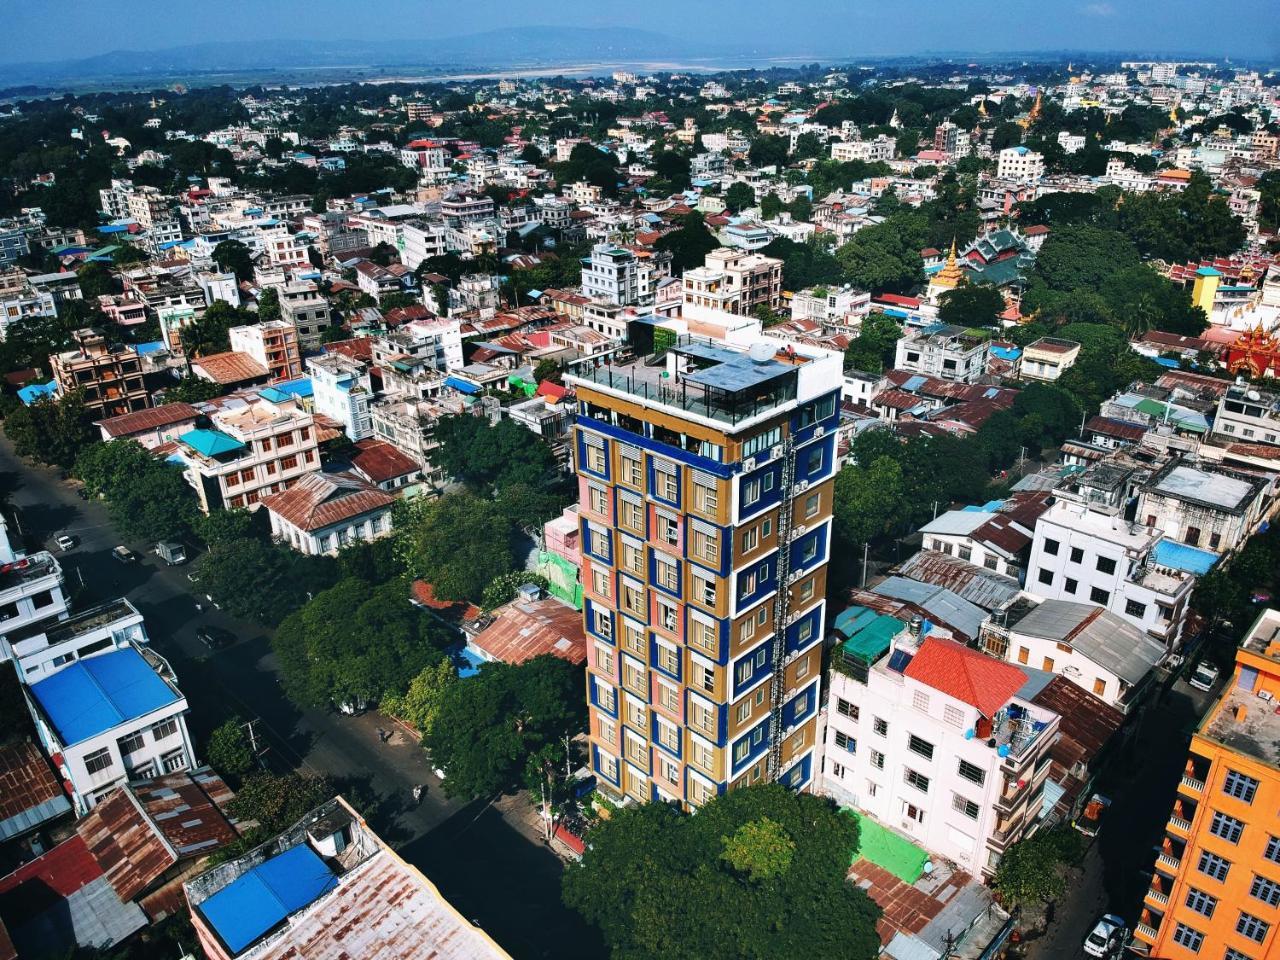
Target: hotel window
595, 456
804, 633
630, 514
1229, 829
632, 558
702, 755
920, 700
1268, 891
1237, 785
704, 677
750, 539
706, 498
1250, 926
802, 669
599, 500
600, 582
917, 780
604, 624
702, 717
666, 481
604, 659
599, 542
1201, 902
666, 573
706, 545
633, 598
703, 635
98, 761
605, 697
668, 618
1212, 865
637, 716
637, 751
668, 658
635, 678
608, 729
632, 473
668, 697
1184, 936
880, 727
668, 735
1106, 565
699, 792
964, 805
750, 492
812, 504
668, 530
633, 639
704, 590
740, 750
814, 462
669, 771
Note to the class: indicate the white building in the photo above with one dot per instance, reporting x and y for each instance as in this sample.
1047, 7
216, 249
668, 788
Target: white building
1097, 557
109, 717
950, 354
616, 275
323, 512
302, 305
734, 281
1247, 414
341, 390
437, 341
934, 741
1019, 164
840, 308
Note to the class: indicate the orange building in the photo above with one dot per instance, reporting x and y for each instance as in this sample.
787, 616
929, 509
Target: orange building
1215, 892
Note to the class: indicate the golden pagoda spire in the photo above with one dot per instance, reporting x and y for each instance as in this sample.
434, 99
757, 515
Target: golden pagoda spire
951, 275
982, 107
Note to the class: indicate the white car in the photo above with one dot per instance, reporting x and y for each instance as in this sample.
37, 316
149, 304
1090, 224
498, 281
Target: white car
1106, 936
65, 541
1204, 676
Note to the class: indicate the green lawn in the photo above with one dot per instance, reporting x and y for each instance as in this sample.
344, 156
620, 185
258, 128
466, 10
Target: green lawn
887, 849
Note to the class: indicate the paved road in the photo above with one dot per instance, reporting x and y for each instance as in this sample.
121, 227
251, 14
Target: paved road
1141, 781
485, 858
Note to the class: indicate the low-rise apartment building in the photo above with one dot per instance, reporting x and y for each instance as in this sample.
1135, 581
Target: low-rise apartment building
936, 741
734, 281
341, 390
1048, 358
252, 449
274, 344
302, 305
616, 275
109, 376
1247, 414
1019, 164
1209, 508
944, 351
322, 513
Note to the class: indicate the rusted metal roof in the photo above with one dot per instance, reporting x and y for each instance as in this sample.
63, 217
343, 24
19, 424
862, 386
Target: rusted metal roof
320, 500
30, 793
379, 461
138, 421
126, 844
230, 367
187, 808
525, 629
383, 910
978, 585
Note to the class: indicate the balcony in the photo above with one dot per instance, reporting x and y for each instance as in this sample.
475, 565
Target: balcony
1191, 784
1179, 825
1146, 932
1170, 861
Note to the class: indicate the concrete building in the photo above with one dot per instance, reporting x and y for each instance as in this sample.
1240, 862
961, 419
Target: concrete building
324, 512
943, 351
109, 717
341, 390
273, 344
1209, 508
734, 281
438, 342
1095, 556
616, 275
23, 304
1019, 164
936, 741
302, 305
328, 883
1048, 358
253, 448
110, 377
1247, 414
705, 504
838, 308
150, 427
1213, 891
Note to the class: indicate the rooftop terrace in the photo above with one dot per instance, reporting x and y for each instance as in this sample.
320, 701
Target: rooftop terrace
1244, 723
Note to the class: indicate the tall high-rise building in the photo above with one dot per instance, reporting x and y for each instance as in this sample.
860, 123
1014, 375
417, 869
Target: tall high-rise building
705, 484
1216, 886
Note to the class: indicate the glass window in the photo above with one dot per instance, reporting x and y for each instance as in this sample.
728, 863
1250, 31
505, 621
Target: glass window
964, 805
923, 747
1051, 547
1099, 596
846, 709
98, 761
1212, 865
1236, 784
1228, 828
917, 780
1106, 565
972, 772
1201, 902
1268, 891
881, 727
877, 759
1077, 555
1250, 926
846, 742
1184, 936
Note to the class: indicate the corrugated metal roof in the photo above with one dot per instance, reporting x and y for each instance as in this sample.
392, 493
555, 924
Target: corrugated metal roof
320, 500
975, 584
126, 844
941, 604
1111, 642
956, 523
30, 794
525, 629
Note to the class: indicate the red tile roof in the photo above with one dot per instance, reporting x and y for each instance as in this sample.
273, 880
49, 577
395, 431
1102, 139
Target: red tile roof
967, 675
140, 421
320, 500
378, 461
523, 630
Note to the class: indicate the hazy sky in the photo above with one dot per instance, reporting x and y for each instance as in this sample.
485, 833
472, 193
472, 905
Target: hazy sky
49, 30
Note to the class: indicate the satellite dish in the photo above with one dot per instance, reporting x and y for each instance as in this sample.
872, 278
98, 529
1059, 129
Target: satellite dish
1254, 395
761, 352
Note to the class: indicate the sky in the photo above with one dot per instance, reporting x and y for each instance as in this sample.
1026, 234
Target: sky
69, 29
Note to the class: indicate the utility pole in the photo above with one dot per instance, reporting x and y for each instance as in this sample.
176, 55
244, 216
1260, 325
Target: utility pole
866, 547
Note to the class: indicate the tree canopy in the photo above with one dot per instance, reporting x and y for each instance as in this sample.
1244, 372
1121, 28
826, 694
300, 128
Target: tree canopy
459, 544
767, 866
51, 430
148, 499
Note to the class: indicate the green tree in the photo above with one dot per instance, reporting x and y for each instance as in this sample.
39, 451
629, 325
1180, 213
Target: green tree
971, 305
768, 151
873, 349
260, 581
688, 245
52, 430
739, 196
208, 334
458, 544
229, 751
420, 704
868, 500
770, 206
488, 726
95, 279
804, 265
886, 256
486, 455
235, 257
503, 589
269, 305
1034, 870
278, 801
222, 527
191, 390
774, 863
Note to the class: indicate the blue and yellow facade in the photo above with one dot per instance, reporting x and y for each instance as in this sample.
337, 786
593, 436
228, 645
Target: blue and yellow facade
698, 535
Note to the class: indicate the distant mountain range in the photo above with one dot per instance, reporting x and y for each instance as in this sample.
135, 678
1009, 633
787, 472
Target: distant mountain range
508, 48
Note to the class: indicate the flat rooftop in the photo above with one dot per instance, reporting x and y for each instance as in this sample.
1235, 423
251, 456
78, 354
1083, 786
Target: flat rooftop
1206, 487
99, 693
1247, 725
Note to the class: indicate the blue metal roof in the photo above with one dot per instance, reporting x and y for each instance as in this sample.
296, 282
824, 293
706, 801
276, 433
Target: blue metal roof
300, 387
462, 386
145, 348
93, 695
210, 443
35, 392
256, 902
272, 394
1179, 556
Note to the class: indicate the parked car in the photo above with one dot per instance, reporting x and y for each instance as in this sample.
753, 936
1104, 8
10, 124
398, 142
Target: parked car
1204, 676
124, 555
1106, 937
65, 541
215, 638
